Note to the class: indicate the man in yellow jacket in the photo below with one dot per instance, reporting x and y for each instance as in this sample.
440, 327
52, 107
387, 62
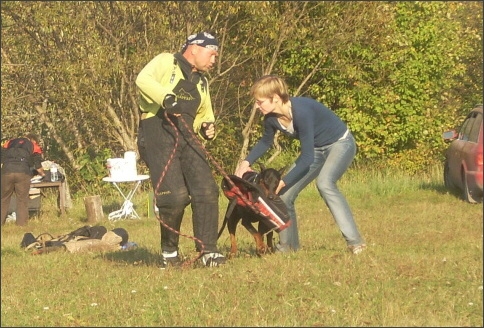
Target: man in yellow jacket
176, 106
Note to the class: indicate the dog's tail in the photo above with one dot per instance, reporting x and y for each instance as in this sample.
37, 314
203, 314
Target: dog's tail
230, 208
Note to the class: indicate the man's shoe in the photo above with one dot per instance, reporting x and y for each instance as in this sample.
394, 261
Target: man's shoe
170, 259
213, 259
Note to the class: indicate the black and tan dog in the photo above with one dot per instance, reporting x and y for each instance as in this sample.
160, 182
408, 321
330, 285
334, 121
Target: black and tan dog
261, 205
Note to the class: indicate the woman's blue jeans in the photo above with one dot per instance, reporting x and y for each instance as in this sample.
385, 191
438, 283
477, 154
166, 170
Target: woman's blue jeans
330, 162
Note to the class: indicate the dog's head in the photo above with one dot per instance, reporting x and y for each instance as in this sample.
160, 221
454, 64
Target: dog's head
260, 190
268, 179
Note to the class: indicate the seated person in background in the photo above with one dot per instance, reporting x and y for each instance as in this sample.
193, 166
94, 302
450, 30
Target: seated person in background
20, 156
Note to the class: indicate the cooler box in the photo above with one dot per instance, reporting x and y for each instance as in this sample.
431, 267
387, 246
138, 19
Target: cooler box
34, 202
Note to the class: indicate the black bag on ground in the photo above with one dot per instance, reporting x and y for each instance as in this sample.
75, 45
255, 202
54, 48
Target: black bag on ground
85, 232
123, 234
85, 238
96, 232
27, 240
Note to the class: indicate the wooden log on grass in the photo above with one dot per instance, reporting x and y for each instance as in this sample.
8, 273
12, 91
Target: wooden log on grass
94, 208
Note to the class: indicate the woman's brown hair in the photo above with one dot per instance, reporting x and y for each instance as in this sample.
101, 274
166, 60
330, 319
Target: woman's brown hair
269, 85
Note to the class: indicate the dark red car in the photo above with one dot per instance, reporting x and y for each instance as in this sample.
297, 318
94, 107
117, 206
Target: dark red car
463, 158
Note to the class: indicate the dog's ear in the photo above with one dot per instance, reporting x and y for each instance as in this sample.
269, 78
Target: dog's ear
262, 167
283, 169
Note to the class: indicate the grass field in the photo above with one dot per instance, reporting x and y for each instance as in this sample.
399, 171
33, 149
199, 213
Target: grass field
423, 267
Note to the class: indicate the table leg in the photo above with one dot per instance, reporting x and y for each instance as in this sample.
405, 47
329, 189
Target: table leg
62, 197
127, 208
130, 196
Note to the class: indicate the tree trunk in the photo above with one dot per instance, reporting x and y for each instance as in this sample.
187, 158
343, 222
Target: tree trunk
94, 208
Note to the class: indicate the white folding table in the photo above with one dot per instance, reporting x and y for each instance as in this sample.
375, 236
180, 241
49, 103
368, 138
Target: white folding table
127, 209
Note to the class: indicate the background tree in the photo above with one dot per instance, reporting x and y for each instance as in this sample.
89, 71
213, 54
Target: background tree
399, 73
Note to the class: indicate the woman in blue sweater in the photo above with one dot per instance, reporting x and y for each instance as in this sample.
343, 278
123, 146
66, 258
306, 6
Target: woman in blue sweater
327, 150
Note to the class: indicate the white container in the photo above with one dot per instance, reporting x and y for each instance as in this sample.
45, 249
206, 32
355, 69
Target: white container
116, 169
130, 162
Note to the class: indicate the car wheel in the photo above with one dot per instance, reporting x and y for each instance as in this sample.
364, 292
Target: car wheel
447, 182
466, 192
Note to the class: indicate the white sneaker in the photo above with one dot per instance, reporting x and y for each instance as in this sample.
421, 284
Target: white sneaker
11, 217
357, 249
213, 259
170, 258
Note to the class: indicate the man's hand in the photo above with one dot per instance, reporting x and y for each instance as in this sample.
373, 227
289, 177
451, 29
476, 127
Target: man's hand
169, 102
208, 130
173, 107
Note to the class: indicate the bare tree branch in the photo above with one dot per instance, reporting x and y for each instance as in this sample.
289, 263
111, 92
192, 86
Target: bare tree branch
43, 117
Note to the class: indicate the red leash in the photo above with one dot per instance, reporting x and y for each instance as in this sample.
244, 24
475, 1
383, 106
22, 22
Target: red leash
221, 170
263, 210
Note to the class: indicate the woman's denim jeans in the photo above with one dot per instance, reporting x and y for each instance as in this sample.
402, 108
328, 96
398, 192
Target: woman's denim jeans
330, 162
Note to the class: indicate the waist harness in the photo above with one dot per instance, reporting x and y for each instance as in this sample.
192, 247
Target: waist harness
273, 212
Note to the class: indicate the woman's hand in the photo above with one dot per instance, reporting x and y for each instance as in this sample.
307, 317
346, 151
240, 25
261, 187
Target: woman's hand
280, 186
243, 167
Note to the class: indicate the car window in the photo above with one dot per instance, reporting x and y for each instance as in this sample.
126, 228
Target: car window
476, 126
466, 128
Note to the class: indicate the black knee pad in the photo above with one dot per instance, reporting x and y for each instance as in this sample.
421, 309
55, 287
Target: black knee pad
179, 200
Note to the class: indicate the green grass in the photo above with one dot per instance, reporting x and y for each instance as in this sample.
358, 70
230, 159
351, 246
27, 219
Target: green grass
423, 267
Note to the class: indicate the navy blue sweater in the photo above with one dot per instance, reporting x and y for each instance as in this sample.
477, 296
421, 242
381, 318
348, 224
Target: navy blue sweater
315, 125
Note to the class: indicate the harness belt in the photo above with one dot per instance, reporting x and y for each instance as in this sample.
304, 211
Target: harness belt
14, 159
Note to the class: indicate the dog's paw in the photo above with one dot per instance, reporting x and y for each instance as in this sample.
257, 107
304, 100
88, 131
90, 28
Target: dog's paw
261, 251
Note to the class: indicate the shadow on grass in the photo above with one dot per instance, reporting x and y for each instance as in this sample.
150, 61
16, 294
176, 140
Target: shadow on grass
9, 251
141, 256
111, 207
440, 188
137, 256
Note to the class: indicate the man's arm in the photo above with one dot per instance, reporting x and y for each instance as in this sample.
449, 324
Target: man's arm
151, 79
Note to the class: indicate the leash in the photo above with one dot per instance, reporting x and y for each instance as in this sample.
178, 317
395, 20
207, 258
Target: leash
265, 210
220, 169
